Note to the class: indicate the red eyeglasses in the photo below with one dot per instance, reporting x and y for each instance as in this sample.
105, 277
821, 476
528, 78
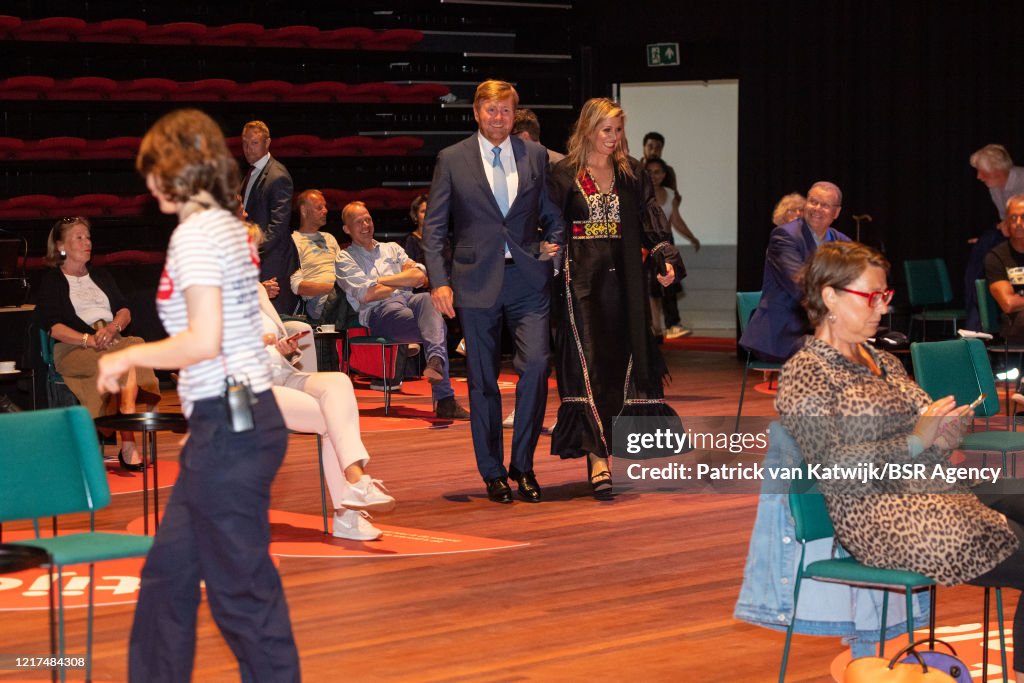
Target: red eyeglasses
874, 298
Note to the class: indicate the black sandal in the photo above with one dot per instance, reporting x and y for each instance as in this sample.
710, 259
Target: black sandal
600, 483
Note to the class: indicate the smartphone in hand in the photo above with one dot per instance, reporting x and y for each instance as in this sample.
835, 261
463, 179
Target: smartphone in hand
297, 336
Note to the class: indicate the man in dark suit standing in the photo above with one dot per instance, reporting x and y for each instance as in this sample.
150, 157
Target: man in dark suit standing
777, 328
490, 192
267, 197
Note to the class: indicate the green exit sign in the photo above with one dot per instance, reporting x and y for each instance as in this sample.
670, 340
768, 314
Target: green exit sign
663, 54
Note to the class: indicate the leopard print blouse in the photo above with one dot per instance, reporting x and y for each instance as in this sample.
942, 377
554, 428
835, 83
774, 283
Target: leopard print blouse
839, 412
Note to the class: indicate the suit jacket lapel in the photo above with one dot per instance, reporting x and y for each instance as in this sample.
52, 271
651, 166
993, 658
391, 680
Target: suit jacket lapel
523, 168
475, 163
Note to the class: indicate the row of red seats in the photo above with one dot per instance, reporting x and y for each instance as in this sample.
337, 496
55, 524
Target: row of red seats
39, 206
127, 147
125, 257
89, 88
64, 29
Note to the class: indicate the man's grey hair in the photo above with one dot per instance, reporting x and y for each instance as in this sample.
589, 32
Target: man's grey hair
831, 187
992, 158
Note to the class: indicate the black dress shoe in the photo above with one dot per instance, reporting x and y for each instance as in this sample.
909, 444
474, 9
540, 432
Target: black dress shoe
498, 490
125, 465
529, 489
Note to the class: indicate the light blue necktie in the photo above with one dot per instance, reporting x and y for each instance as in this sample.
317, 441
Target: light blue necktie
500, 182
501, 189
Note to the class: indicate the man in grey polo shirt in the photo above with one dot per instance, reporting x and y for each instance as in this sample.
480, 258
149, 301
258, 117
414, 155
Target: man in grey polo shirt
379, 279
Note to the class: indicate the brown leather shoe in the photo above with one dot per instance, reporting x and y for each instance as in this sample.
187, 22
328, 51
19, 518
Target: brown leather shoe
449, 409
434, 372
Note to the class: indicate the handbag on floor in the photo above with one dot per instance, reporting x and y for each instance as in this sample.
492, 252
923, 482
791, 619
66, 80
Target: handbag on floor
910, 665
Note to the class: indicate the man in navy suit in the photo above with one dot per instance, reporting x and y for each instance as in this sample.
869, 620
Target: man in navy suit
267, 197
777, 328
490, 194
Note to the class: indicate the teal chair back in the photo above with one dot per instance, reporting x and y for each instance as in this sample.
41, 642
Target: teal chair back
746, 304
988, 309
927, 282
959, 367
51, 464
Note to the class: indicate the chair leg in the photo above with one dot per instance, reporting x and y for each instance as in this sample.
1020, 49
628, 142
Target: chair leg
932, 609
384, 374
743, 390
1002, 634
910, 616
792, 623
53, 626
984, 637
88, 625
885, 622
60, 620
323, 492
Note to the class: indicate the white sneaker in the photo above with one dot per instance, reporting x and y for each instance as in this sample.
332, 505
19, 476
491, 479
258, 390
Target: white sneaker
677, 331
412, 350
509, 421
367, 494
461, 348
355, 526
1008, 376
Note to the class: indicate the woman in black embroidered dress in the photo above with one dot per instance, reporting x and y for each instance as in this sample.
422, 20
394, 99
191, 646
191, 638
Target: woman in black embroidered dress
607, 362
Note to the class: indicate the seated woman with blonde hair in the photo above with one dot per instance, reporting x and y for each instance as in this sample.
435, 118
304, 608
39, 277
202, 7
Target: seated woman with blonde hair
83, 310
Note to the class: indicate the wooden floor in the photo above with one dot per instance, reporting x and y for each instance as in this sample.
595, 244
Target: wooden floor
641, 587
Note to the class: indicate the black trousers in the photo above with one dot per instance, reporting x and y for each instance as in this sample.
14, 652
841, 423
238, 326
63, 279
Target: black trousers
216, 529
1007, 497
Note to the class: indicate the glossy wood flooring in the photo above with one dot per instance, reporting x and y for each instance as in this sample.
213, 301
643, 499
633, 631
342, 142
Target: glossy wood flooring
639, 588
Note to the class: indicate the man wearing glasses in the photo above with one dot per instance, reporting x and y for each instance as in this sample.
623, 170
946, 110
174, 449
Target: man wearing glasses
1004, 270
777, 328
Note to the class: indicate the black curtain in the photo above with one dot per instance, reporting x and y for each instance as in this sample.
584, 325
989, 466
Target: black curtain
888, 100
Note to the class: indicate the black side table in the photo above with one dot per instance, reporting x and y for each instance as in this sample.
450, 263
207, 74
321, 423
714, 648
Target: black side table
149, 424
15, 557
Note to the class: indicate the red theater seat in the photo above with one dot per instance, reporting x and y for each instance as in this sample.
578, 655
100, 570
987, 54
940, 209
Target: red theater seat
114, 31
320, 91
145, 90
235, 145
131, 205
393, 39
206, 90
26, 87
290, 36
343, 38
177, 33
50, 29
9, 26
300, 145
419, 93
262, 91
125, 147
29, 206
83, 88
348, 146
91, 204
336, 199
396, 146
235, 34
54, 148
11, 148
368, 92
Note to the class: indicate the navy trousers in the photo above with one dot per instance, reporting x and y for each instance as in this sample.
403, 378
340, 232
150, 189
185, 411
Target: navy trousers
525, 309
216, 529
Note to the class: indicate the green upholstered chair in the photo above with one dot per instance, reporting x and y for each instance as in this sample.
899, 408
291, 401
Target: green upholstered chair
960, 367
746, 304
929, 289
989, 313
60, 474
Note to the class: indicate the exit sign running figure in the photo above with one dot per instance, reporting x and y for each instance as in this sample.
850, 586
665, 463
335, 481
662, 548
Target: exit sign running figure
663, 54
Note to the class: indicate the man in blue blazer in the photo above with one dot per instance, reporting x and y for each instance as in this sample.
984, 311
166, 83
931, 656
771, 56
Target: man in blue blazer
777, 328
267, 196
490, 194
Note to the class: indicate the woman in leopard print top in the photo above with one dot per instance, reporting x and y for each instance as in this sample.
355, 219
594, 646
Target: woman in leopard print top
846, 403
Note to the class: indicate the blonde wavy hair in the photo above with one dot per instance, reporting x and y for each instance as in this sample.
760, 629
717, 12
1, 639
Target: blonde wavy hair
593, 114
